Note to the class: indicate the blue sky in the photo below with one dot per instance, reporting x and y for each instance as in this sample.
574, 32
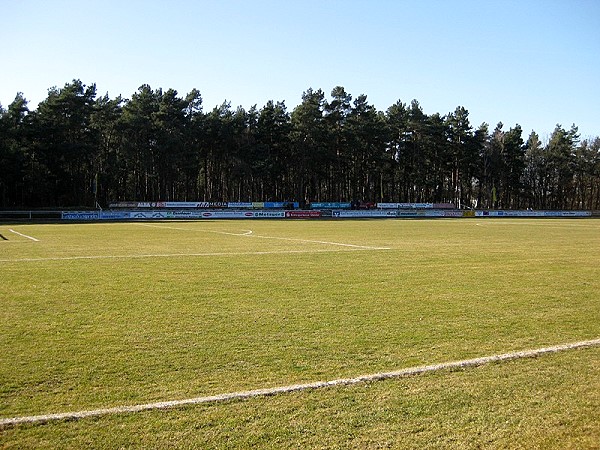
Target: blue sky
531, 62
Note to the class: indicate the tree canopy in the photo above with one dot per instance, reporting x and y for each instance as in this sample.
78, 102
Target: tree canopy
81, 149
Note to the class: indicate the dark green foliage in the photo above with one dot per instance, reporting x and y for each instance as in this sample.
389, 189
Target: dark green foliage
80, 149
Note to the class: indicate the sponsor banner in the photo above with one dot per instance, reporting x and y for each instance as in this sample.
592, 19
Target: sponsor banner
235, 214
184, 214
280, 205
421, 213
80, 215
263, 214
577, 214
363, 213
524, 213
182, 205
207, 205
242, 205
405, 205
341, 213
567, 213
177, 214
389, 213
302, 214
330, 205
452, 213
189, 205
217, 214
144, 205
114, 215
433, 213
150, 214
123, 205
275, 205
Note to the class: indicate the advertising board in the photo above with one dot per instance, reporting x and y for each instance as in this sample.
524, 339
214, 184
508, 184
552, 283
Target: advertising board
405, 205
264, 214
296, 214
114, 215
363, 213
190, 205
529, 213
192, 214
453, 213
302, 214
280, 205
330, 205
150, 214
79, 215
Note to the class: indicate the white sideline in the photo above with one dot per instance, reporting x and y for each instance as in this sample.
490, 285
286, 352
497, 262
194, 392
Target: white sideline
411, 371
24, 235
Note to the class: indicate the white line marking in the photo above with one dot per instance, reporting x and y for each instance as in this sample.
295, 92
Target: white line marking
180, 255
408, 372
366, 247
250, 234
245, 232
24, 235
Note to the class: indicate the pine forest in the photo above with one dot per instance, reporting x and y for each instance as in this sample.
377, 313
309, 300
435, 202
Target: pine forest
79, 149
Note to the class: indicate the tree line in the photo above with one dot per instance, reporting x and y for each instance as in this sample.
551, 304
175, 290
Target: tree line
81, 149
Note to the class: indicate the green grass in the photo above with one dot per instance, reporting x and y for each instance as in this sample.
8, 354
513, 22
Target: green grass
227, 312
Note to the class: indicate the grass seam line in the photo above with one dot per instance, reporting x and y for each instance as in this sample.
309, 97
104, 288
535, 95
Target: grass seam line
407, 372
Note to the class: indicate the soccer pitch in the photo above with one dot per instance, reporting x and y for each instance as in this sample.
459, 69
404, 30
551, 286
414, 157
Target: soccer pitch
102, 315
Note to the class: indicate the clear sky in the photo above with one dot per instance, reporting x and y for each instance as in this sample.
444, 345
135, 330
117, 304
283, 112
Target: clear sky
531, 62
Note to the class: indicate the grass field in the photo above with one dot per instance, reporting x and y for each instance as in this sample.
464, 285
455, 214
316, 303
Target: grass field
103, 315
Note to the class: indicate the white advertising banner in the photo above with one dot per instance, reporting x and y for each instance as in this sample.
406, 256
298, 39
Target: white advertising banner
363, 213
405, 205
525, 213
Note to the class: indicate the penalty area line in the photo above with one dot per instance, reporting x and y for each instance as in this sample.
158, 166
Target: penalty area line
240, 395
311, 241
24, 235
165, 227
249, 233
